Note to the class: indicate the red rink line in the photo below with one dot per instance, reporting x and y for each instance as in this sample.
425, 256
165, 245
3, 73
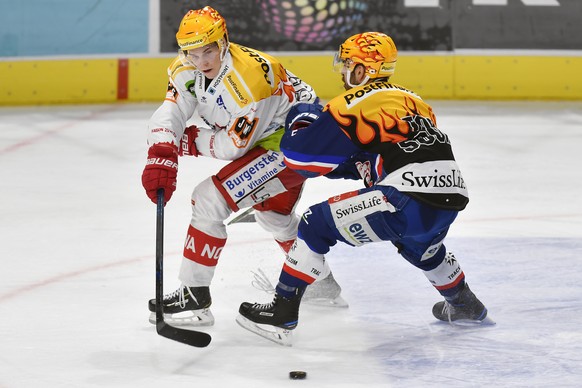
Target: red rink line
68, 275
51, 132
80, 272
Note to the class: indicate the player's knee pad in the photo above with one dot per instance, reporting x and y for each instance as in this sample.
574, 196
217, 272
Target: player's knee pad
283, 227
285, 202
315, 231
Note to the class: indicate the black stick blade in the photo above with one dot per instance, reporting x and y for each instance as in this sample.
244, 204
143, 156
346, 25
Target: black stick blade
189, 337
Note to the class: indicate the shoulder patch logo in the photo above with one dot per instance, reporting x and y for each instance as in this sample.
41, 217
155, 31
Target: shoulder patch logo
190, 86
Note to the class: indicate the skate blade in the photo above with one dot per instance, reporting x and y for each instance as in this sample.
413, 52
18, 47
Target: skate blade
193, 318
338, 302
278, 335
473, 322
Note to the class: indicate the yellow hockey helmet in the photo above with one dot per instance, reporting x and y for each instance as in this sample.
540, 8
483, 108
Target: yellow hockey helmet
201, 27
375, 50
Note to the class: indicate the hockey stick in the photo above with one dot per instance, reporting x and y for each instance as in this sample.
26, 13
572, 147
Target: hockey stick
189, 337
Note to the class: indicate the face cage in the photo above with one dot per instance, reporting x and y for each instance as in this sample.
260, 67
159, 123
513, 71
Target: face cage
339, 64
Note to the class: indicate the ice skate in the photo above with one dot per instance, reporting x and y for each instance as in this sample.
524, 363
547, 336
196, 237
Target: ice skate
273, 321
325, 292
465, 310
187, 306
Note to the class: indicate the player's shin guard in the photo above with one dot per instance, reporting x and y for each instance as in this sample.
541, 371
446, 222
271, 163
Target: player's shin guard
201, 255
447, 277
324, 289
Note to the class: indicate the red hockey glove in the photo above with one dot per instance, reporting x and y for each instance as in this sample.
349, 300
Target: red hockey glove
188, 144
160, 171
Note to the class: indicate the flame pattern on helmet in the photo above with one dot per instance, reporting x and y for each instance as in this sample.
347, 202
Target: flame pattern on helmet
375, 50
201, 27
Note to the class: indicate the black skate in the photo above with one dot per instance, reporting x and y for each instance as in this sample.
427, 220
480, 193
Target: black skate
187, 306
273, 321
464, 309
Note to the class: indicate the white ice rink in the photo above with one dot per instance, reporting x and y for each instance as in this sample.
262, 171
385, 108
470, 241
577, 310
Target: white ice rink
77, 245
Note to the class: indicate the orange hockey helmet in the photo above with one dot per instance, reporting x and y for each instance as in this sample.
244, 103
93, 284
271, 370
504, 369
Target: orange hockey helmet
375, 50
201, 27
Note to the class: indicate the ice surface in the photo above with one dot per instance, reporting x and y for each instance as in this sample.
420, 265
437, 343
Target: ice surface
77, 253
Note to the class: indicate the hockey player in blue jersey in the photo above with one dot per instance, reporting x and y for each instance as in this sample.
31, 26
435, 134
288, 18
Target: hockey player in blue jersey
387, 136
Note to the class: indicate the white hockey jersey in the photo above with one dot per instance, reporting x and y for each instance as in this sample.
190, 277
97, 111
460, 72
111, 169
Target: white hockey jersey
245, 103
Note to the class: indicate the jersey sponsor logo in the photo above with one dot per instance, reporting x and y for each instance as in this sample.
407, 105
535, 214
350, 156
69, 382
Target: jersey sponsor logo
359, 233
235, 88
265, 65
357, 96
257, 181
258, 171
218, 79
364, 204
451, 178
438, 177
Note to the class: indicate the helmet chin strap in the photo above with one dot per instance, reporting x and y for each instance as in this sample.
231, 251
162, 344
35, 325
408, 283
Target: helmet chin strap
349, 75
224, 51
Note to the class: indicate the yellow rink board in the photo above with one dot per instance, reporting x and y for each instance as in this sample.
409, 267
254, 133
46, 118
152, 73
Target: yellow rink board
433, 76
34, 82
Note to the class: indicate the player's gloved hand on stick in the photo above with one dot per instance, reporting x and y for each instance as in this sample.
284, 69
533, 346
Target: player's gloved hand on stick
188, 144
161, 171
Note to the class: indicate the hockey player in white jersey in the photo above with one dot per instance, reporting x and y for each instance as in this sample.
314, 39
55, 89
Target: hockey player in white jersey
242, 95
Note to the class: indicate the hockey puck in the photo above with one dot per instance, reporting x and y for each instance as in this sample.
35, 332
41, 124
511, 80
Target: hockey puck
297, 375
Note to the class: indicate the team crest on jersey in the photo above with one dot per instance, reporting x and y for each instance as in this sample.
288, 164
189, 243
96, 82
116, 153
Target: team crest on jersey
171, 93
190, 87
242, 130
